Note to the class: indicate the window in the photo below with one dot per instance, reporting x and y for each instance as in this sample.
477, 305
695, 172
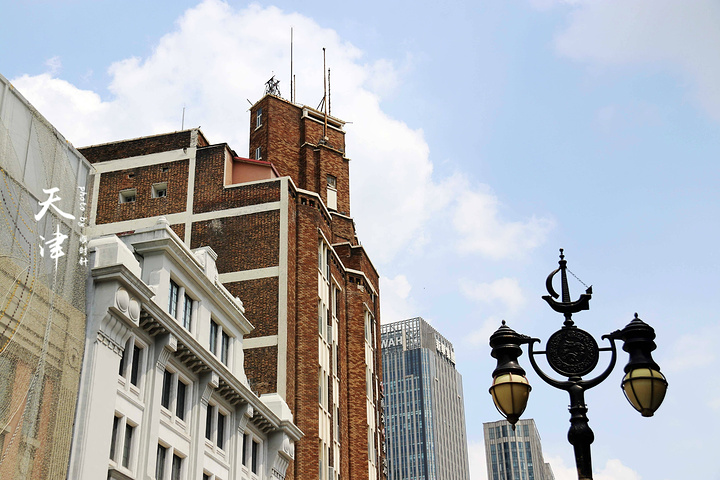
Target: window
132, 363
180, 400
224, 347
216, 422
213, 337
244, 448
254, 457
332, 192
332, 181
127, 195
209, 415
176, 467
336, 425
113, 439
187, 312
258, 154
218, 335
121, 442
127, 445
324, 260
135, 370
159, 190
258, 118
220, 441
166, 389
172, 305
160, 462
174, 393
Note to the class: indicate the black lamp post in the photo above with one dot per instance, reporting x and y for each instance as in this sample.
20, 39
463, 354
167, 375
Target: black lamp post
574, 353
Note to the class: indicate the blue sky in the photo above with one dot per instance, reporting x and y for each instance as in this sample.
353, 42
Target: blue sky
484, 136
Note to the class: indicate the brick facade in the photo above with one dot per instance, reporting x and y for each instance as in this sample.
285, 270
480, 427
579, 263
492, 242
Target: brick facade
267, 236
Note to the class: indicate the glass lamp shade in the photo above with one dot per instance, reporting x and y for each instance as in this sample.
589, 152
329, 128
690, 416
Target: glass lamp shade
510, 394
645, 390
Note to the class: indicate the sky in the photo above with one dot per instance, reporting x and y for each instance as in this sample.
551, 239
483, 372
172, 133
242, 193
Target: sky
483, 137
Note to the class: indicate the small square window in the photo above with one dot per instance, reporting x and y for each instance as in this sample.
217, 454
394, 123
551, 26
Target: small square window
332, 181
127, 196
159, 190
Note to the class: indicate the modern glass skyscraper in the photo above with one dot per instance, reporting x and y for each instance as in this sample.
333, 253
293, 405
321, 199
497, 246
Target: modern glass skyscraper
424, 412
515, 455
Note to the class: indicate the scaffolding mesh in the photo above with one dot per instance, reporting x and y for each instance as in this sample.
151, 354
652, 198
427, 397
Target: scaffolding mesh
42, 293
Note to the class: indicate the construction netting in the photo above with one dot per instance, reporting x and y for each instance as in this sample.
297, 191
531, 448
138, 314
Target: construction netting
43, 182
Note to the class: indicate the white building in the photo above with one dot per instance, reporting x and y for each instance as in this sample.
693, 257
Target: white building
163, 393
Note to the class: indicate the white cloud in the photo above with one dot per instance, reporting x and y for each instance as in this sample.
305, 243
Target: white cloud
481, 336
219, 56
504, 290
613, 470
679, 36
482, 229
54, 64
692, 349
395, 299
478, 463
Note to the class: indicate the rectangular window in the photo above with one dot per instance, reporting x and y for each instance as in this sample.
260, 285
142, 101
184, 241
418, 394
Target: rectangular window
180, 400
244, 448
320, 385
221, 431
187, 312
258, 154
166, 389
258, 118
336, 424
135, 370
121, 370
176, 467
160, 462
213, 337
224, 348
127, 446
254, 457
172, 305
208, 421
113, 439
331, 181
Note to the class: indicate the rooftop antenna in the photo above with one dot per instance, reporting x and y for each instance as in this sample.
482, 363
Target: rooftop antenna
329, 109
271, 87
182, 123
324, 98
292, 77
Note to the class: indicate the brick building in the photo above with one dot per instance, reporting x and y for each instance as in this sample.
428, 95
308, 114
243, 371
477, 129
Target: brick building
280, 223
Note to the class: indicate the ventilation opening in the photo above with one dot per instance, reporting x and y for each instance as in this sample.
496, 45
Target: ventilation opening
127, 196
159, 190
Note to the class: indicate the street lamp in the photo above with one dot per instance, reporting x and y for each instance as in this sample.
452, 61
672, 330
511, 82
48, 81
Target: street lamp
574, 353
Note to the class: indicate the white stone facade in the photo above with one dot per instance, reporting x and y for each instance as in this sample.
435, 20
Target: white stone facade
163, 393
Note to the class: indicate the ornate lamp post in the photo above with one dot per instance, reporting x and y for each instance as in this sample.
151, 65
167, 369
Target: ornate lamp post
574, 353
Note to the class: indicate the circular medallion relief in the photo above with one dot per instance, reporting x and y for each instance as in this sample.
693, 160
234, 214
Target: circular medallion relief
572, 352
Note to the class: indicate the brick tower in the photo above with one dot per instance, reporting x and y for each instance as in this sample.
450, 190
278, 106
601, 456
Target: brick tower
280, 223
